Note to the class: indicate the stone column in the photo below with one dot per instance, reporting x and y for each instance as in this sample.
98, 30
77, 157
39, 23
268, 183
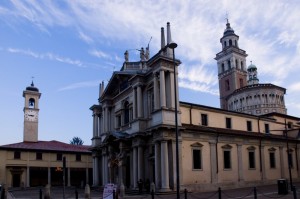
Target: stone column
94, 125
49, 175
103, 170
96, 171
140, 163
135, 169
86, 175
172, 91
157, 165
69, 176
263, 169
105, 120
177, 90
140, 101
162, 89
28, 177
240, 162
164, 166
281, 162
155, 92
213, 162
134, 103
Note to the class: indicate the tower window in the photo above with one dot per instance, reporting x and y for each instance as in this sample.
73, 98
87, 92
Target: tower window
225, 44
230, 42
241, 83
235, 42
237, 64
242, 65
223, 68
31, 103
229, 64
227, 85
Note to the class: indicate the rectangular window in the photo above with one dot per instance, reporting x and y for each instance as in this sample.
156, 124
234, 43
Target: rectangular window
39, 156
197, 161
290, 156
59, 157
267, 128
249, 126
272, 160
17, 155
204, 121
241, 83
251, 160
290, 125
227, 160
228, 122
78, 157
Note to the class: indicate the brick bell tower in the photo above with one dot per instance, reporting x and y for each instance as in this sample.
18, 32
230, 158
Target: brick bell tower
232, 70
31, 113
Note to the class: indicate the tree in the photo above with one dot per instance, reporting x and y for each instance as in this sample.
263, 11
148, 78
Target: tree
76, 141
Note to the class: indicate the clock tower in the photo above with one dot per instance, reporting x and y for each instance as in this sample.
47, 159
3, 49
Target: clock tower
31, 113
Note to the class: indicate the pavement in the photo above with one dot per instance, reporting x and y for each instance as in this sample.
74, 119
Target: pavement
263, 192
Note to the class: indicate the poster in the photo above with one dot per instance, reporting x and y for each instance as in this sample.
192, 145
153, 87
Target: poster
108, 191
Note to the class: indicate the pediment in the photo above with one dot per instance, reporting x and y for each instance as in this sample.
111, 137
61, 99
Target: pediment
197, 144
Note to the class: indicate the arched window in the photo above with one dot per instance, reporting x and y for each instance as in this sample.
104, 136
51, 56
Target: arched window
31, 103
126, 112
223, 68
242, 65
237, 64
235, 43
230, 42
225, 43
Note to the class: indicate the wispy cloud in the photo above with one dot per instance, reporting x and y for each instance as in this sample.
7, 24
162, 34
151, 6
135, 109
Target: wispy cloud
80, 85
49, 56
294, 87
271, 38
99, 54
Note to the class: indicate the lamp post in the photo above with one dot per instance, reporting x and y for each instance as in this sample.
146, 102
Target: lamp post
173, 45
288, 156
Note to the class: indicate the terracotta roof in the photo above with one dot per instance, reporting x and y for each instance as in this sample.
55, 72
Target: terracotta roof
47, 146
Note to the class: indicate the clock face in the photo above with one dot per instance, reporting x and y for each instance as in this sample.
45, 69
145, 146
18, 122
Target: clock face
31, 115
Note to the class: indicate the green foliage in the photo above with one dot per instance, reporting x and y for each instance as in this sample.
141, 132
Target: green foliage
76, 141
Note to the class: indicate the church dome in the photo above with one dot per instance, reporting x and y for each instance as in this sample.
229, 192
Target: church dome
228, 30
252, 67
32, 88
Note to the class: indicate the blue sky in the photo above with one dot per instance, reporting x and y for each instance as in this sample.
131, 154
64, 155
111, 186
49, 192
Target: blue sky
69, 47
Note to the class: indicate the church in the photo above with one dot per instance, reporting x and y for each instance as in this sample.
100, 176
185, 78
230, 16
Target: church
249, 141
34, 162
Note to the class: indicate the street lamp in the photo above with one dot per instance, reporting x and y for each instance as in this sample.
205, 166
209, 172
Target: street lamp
173, 45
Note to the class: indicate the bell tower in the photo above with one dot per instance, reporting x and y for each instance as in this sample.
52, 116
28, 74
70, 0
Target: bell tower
31, 113
231, 62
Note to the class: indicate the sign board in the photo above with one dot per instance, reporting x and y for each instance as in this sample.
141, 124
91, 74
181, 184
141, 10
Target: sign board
108, 191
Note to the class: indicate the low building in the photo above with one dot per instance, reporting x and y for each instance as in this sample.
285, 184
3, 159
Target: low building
37, 163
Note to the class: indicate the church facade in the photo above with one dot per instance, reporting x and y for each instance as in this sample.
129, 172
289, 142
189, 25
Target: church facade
134, 128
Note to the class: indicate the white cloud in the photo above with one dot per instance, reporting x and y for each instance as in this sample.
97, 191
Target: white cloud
80, 85
294, 87
48, 55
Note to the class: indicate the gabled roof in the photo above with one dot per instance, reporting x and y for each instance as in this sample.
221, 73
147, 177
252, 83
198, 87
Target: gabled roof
50, 146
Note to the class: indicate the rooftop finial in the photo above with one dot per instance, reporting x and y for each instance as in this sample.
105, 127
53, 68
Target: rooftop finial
251, 62
227, 17
32, 84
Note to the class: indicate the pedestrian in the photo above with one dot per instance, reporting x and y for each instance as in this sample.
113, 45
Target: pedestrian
140, 185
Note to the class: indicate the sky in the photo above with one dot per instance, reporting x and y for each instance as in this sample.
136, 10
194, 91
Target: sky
68, 47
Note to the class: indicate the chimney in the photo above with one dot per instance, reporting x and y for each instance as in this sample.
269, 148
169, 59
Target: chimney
163, 42
169, 39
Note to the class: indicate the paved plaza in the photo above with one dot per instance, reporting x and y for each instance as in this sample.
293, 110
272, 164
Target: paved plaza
263, 192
